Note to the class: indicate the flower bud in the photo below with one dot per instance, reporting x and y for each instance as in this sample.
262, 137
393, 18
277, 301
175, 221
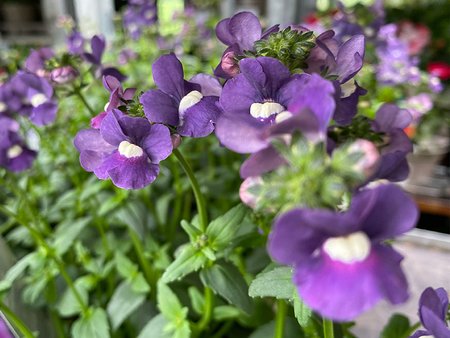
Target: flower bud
63, 75
176, 140
248, 189
369, 161
229, 64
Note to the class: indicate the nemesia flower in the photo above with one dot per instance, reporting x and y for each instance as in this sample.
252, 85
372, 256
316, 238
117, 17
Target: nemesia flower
391, 121
126, 149
63, 75
35, 62
341, 265
419, 105
177, 102
138, 15
433, 308
98, 45
239, 33
75, 43
14, 154
260, 97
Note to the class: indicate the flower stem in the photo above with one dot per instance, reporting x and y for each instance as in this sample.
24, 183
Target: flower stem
149, 274
280, 318
16, 321
207, 311
328, 331
85, 102
199, 200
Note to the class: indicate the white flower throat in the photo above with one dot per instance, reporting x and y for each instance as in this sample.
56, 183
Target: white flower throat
130, 150
14, 151
187, 102
348, 249
265, 110
38, 99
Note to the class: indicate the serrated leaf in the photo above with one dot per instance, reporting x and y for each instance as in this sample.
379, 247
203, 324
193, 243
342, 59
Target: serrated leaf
397, 327
68, 305
227, 281
275, 283
67, 232
169, 305
123, 303
223, 229
92, 325
155, 328
302, 312
189, 260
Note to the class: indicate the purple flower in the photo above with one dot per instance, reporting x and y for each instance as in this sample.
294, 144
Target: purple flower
5, 332
341, 265
264, 94
98, 45
418, 105
177, 102
239, 33
14, 154
75, 43
433, 308
35, 62
390, 121
118, 96
138, 15
63, 75
126, 149
126, 55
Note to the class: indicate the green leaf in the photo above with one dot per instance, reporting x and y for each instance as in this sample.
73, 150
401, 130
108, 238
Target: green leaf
397, 327
302, 312
123, 303
197, 299
92, 325
169, 305
189, 260
139, 284
227, 281
155, 328
17, 269
223, 229
291, 330
275, 283
68, 305
192, 231
67, 232
124, 266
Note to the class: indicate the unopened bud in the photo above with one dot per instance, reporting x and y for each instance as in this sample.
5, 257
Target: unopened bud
96, 121
63, 75
229, 64
176, 140
370, 157
248, 190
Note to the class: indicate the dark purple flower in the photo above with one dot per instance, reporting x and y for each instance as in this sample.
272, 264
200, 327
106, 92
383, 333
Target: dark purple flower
433, 308
264, 94
239, 33
390, 121
177, 102
341, 265
75, 43
98, 45
35, 62
14, 154
118, 96
126, 149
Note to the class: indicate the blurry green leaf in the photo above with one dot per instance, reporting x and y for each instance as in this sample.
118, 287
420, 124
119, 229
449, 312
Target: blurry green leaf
169, 305
275, 283
223, 229
123, 303
189, 260
67, 232
197, 299
67, 200
291, 330
68, 305
227, 281
17, 269
302, 312
139, 284
94, 324
397, 327
124, 266
34, 290
225, 312
112, 202
90, 188
192, 231
155, 328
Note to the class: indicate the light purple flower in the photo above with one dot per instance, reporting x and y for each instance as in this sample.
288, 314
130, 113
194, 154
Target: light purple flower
75, 43
35, 62
177, 102
14, 154
126, 149
138, 15
126, 55
63, 75
341, 265
418, 105
433, 308
264, 94
390, 121
5, 332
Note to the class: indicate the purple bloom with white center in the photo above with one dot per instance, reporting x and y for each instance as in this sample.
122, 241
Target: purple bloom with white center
35, 62
239, 33
98, 45
261, 96
125, 149
179, 103
14, 154
433, 308
341, 265
391, 120
75, 43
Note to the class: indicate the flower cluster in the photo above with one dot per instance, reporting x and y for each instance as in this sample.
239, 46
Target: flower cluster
138, 15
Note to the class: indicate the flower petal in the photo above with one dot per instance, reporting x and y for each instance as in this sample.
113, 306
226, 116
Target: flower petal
199, 119
261, 162
158, 143
168, 74
159, 107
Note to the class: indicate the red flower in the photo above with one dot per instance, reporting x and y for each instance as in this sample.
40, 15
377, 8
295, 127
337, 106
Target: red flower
439, 69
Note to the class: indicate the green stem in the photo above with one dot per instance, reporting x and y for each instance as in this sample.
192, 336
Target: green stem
328, 331
280, 318
200, 201
207, 311
16, 321
149, 274
41, 241
85, 102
